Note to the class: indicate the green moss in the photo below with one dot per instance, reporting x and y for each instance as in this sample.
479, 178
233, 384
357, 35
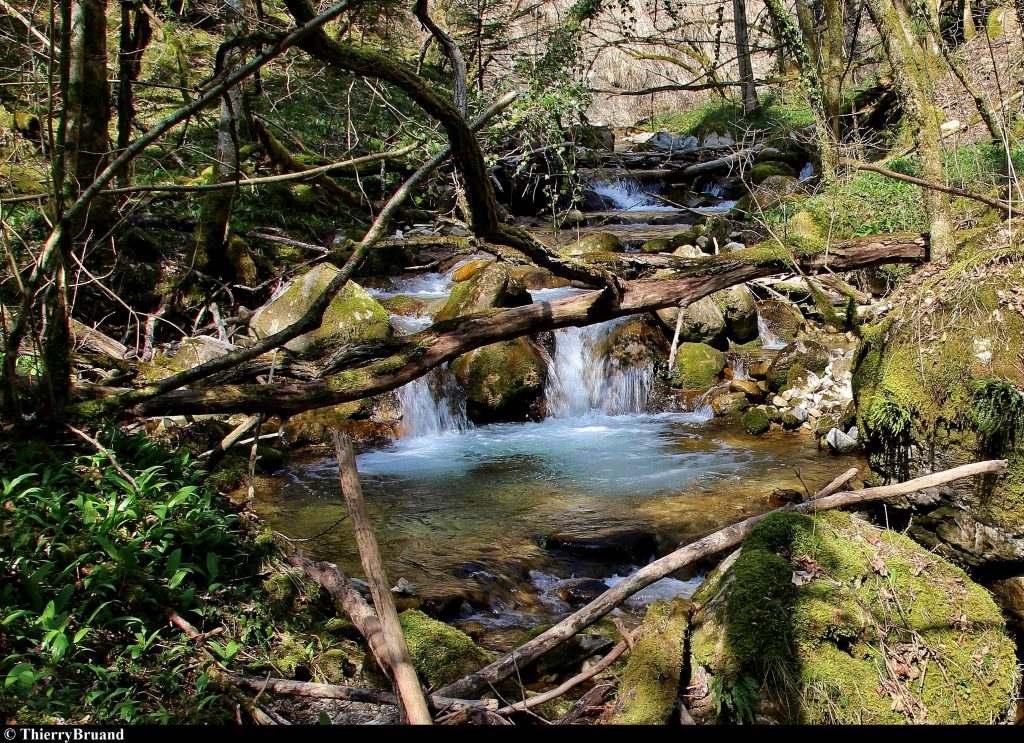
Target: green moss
819, 650
649, 685
441, 653
764, 170
698, 366
501, 380
756, 421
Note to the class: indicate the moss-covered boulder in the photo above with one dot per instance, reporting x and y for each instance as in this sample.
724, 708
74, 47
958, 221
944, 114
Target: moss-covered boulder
535, 277
635, 342
595, 243
502, 381
794, 360
441, 653
698, 366
703, 322
314, 427
763, 170
657, 245
189, 353
352, 317
772, 191
828, 619
486, 287
805, 225
942, 388
649, 686
756, 421
739, 310
780, 323
729, 403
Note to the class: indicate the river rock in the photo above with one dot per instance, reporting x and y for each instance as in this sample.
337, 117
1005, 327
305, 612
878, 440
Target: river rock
764, 170
489, 286
440, 653
728, 403
582, 591
796, 358
470, 269
594, 137
716, 141
703, 322
772, 191
1009, 594
617, 546
592, 201
748, 387
756, 421
822, 601
635, 343
658, 245
698, 366
739, 310
596, 243
663, 141
781, 322
353, 316
840, 443
503, 381
535, 277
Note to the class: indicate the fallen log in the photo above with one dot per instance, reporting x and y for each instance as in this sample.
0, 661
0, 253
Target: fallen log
370, 369
287, 688
397, 658
720, 163
712, 544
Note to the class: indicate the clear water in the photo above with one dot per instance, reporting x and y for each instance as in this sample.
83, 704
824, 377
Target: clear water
769, 340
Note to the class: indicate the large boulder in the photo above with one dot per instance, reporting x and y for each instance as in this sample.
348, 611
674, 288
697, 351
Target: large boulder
596, 243
488, 286
828, 619
698, 366
795, 359
940, 389
353, 316
635, 343
739, 310
502, 381
703, 322
440, 653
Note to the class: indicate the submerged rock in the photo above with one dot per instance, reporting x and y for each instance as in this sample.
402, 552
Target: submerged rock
827, 619
353, 316
698, 366
623, 546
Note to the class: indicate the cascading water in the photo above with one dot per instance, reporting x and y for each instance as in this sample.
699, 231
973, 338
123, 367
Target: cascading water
629, 194
769, 340
433, 404
582, 379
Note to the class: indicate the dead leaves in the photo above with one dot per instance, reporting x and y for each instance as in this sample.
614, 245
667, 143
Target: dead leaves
809, 570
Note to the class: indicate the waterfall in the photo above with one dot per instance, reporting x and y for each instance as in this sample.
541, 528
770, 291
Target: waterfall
433, 404
629, 193
807, 171
583, 380
768, 338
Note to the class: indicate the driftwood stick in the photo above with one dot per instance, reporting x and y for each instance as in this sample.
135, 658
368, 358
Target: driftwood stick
836, 485
230, 440
712, 544
284, 687
406, 681
594, 698
575, 681
346, 600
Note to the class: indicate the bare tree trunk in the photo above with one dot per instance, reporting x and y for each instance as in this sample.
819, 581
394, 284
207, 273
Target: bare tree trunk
751, 105
214, 249
136, 32
451, 51
909, 62
86, 154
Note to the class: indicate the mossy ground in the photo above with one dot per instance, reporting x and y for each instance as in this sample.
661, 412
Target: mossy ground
839, 621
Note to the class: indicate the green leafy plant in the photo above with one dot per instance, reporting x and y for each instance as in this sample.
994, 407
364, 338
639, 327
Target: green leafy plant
998, 414
739, 699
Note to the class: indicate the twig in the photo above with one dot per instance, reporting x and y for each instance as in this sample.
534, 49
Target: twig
105, 452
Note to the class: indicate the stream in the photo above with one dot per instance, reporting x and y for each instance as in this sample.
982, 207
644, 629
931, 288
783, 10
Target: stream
464, 513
